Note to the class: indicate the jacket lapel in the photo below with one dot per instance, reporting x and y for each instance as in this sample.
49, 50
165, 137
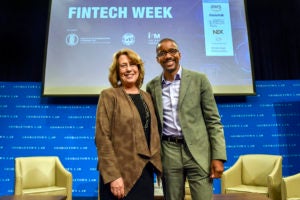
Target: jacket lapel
184, 85
158, 98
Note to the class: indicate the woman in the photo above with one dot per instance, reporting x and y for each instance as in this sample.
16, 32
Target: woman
127, 138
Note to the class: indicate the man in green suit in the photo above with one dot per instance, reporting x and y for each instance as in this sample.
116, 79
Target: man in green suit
193, 144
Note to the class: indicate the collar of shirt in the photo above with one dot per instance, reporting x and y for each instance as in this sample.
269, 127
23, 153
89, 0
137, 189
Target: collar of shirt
177, 77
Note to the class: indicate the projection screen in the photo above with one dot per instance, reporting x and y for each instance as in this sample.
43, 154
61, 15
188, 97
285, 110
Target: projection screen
83, 35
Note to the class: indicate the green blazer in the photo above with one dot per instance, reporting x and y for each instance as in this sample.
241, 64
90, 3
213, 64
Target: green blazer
198, 116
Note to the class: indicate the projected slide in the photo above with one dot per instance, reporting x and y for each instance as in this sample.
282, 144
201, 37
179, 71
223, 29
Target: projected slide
83, 35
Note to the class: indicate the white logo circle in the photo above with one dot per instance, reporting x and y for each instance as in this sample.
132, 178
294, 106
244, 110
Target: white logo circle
128, 39
72, 39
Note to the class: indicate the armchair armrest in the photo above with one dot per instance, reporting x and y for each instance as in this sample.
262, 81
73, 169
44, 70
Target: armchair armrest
18, 186
274, 180
64, 178
62, 175
232, 176
18, 179
290, 187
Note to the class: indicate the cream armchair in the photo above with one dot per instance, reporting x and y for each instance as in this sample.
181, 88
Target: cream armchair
42, 176
254, 173
290, 187
188, 195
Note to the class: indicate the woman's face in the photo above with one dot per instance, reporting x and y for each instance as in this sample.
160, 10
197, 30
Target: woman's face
128, 72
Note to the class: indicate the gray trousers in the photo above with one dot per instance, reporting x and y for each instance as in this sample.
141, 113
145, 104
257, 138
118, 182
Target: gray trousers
178, 164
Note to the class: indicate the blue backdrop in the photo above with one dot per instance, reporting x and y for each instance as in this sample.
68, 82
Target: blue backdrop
31, 125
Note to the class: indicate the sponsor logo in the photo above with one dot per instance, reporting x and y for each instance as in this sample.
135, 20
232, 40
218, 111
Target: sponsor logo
215, 8
128, 39
153, 38
72, 39
218, 32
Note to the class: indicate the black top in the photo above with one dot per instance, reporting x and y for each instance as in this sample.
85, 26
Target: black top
144, 114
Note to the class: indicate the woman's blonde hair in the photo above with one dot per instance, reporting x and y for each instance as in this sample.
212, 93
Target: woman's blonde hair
134, 58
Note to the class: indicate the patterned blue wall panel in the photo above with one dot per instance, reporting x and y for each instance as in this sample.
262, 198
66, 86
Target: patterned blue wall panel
31, 125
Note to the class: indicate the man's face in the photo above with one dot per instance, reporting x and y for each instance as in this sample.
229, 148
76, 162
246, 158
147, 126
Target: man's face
168, 56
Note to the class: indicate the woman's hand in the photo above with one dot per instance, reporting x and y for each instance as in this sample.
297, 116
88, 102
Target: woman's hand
117, 188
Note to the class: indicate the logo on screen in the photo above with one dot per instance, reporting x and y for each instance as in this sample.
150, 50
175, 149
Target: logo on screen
128, 39
153, 38
216, 8
218, 32
72, 39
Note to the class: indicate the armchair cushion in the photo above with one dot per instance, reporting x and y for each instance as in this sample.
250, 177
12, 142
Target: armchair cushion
255, 170
51, 190
37, 173
247, 189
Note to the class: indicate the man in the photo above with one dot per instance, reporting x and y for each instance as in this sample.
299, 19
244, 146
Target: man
193, 144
